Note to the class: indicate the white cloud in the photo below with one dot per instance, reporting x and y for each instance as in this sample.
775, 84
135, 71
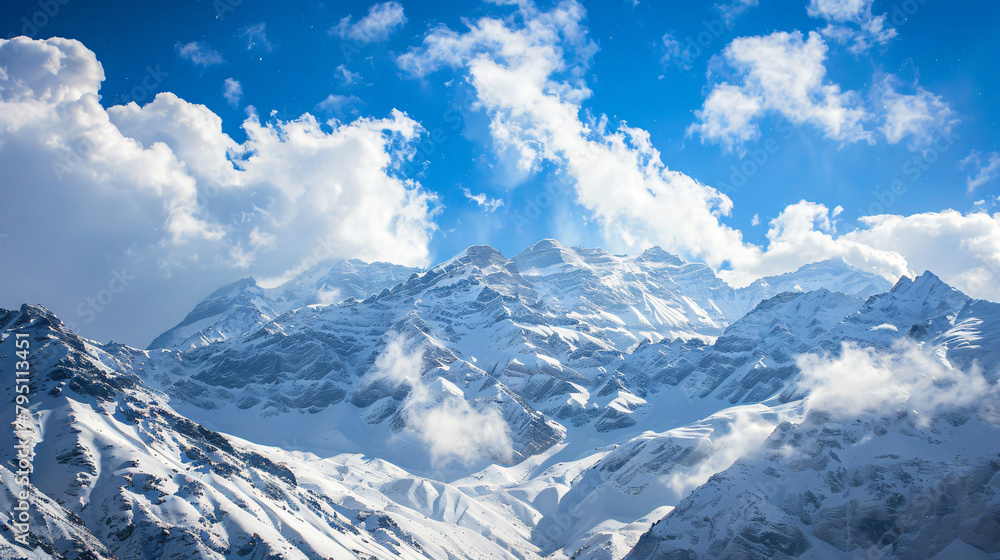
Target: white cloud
528, 80
962, 249
851, 23
921, 116
729, 117
199, 53
232, 90
257, 37
742, 432
985, 172
755, 221
735, 8
340, 105
346, 76
673, 52
164, 186
839, 10
803, 233
783, 74
438, 414
381, 21
488, 204
906, 379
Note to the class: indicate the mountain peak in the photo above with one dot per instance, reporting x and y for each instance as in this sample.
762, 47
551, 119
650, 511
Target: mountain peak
925, 282
658, 254
546, 244
546, 253
481, 256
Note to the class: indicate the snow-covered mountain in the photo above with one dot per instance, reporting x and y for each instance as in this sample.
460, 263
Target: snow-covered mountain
243, 306
546, 338
563, 403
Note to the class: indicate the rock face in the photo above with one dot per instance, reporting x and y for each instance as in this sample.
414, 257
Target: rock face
564, 403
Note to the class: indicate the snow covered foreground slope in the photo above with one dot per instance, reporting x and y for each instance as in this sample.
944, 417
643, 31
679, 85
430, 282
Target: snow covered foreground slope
118, 473
552, 405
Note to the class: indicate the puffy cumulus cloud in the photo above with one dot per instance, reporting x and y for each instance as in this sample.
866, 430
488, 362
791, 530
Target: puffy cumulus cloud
985, 171
963, 249
527, 72
906, 378
199, 53
437, 413
785, 74
729, 117
781, 73
805, 232
296, 194
163, 190
920, 116
381, 21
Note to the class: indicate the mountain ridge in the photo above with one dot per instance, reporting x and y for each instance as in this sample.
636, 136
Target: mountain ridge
497, 406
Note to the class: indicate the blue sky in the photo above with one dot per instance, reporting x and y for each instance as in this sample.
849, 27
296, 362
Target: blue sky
752, 136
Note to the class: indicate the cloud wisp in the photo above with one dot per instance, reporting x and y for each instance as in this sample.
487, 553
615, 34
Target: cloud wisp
907, 378
437, 413
199, 53
986, 168
486, 203
380, 22
232, 90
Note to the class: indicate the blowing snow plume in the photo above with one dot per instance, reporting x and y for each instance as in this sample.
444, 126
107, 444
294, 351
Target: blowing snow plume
436, 413
907, 378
